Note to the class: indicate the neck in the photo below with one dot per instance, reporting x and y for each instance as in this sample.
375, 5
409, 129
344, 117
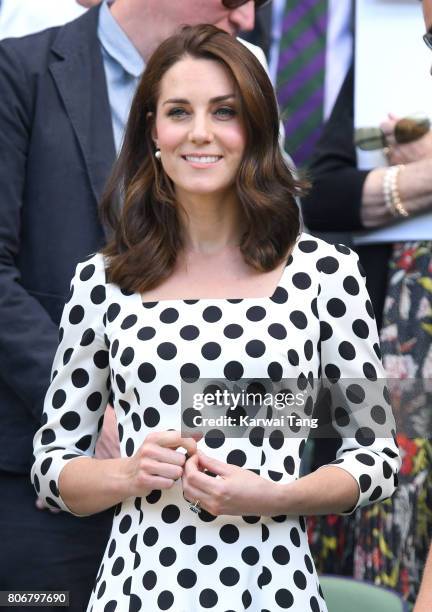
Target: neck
143, 24
211, 223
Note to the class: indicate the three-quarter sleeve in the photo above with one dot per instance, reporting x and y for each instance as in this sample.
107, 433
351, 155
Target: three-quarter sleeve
355, 403
80, 384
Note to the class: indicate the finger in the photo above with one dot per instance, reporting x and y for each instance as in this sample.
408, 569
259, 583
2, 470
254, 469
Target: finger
214, 465
166, 455
159, 482
166, 470
173, 439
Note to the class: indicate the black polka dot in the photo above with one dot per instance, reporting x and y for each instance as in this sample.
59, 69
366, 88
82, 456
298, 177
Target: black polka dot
326, 331
76, 315
277, 331
169, 394
189, 372
229, 533
212, 314
87, 272
328, 265
170, 514
365, 459
149, 580
284, 598
300, 579
236, 457
70, 420
365, 436
369, 371
293, 357
301, 280
127, 356
79, 378
229, 576
101, 359
233, 331
255, 348
347, 350
146, 333
167, 351
351, 285
233, 370
211, 350
151, 417
336, 308
189, 332
369, 309
59, 398
187, 578
308, 246
281, 555
275, 371
150, 536
167, 556
280, 296
256, 313
208, 598
146, 372
98, 294
298, 319
188, 535
207, 555
169, 315
360, 328
113, 312
94, 401
376, 494
118, 566
365, 482
165, 600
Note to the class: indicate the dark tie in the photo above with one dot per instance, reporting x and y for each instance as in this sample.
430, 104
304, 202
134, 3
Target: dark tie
300, 75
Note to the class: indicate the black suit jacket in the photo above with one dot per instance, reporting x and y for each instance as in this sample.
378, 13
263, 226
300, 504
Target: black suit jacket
333, 204
56, 151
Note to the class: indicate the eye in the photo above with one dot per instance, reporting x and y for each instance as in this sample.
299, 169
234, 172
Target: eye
225, 112
177, 112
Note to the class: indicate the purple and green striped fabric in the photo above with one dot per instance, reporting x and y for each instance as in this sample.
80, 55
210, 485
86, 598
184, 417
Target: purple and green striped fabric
300, 76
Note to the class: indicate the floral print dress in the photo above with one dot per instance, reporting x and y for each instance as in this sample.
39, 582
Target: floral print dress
389, 543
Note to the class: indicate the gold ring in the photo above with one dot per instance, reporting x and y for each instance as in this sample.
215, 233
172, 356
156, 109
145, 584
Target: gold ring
195, 507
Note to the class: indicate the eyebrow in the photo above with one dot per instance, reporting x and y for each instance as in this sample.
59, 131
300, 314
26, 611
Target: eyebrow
212, 100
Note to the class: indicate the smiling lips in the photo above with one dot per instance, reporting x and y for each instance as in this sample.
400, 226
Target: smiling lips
202, 159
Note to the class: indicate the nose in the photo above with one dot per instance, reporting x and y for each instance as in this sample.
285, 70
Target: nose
244, 16
200, 129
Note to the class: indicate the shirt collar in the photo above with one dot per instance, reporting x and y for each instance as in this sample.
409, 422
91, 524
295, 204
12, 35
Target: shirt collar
115, 42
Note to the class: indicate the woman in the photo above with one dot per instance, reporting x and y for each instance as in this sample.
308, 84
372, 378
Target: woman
206, 276
390, 541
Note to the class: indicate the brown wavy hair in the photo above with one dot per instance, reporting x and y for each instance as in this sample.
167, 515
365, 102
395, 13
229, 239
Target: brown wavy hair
146, 228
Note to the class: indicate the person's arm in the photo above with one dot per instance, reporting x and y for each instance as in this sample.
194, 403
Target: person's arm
65, 473
28, 336
344, 198
414, 179
424, 599
334, 201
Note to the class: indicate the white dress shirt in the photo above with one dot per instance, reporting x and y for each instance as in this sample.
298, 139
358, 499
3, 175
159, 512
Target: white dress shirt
21, 17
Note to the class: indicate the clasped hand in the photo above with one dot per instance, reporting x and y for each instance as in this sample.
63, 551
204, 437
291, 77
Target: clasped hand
158, 464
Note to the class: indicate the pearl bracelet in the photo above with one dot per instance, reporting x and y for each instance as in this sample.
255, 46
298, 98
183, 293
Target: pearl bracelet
392, 197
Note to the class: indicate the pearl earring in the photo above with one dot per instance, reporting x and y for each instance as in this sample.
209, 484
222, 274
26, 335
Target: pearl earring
157, 154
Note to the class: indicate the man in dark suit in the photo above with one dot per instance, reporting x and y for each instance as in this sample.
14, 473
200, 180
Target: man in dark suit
57, 147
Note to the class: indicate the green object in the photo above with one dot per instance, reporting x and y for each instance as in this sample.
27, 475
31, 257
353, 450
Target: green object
348, 595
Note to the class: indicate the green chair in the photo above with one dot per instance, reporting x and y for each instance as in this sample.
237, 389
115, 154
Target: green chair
344, 594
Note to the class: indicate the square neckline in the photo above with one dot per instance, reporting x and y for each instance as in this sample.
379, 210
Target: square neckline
233, 300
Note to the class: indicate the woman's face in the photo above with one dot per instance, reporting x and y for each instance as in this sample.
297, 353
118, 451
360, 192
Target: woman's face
198, 127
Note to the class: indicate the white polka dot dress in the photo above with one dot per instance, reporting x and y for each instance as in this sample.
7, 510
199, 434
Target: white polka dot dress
160, 555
